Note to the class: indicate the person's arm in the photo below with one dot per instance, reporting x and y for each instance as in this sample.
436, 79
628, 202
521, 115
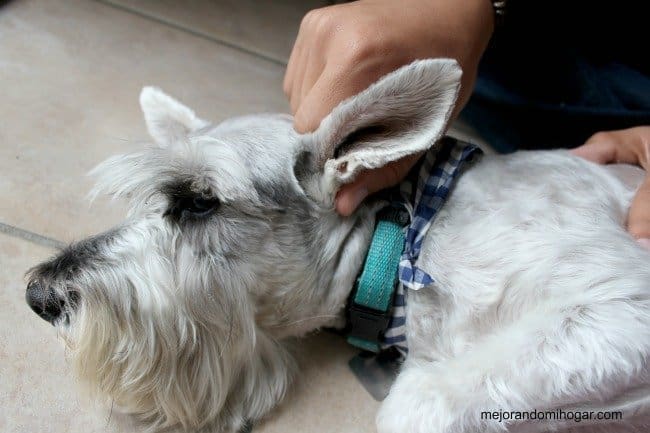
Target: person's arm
631, 146
340, 50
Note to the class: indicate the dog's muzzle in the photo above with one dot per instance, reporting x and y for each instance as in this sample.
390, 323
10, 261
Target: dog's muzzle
44, 301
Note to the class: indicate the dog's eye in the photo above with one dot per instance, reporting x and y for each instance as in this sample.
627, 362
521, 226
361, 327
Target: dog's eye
201, 206
188, 207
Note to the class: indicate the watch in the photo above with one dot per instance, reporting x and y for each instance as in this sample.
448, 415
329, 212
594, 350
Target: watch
499, 7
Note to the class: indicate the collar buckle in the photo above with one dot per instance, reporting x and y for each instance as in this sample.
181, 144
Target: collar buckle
367, 323
367, 326
370, 304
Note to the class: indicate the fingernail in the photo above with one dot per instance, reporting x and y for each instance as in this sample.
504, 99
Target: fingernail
645, 243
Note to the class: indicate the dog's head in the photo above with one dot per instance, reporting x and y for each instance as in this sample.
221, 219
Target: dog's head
231, 233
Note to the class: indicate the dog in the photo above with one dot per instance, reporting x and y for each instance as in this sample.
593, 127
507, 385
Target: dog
180, 315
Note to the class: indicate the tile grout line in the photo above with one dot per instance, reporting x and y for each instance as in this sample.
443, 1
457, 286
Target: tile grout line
168, 23
32, 237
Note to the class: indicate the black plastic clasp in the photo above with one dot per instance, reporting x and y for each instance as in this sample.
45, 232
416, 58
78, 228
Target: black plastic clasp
367, 323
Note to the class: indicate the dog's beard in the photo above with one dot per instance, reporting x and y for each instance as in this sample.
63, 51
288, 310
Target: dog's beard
169, 368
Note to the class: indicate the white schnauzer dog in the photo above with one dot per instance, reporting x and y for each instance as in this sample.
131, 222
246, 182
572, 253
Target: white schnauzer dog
181, 314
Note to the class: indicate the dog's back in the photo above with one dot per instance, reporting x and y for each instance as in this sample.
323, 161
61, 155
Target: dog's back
536, 277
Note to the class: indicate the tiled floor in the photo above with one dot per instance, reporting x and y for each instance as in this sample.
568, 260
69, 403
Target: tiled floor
71, 71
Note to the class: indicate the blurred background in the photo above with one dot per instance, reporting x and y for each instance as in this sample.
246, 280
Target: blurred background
70, 75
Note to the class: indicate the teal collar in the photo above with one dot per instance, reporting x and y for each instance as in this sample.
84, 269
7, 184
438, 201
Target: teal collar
369, 307
377, 306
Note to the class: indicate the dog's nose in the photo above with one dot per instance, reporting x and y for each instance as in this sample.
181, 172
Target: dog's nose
44, 301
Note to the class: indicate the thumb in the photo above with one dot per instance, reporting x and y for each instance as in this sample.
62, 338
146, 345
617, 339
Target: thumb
369, 182
638, 222
598, 151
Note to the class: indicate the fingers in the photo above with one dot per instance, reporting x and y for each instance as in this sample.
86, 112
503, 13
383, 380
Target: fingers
294, 75
338, 82
319, 101
334, 58
308, 57
629, 146
600, 152
311, 73
368, 182
638, 223
294, 58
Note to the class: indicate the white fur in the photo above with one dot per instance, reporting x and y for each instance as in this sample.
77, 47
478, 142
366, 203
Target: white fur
541, 299
167, 119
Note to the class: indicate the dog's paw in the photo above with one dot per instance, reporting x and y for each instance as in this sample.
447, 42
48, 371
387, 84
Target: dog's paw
415, 404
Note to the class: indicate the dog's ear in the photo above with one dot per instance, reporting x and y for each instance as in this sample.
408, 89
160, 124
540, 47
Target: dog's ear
405, 112
167, 119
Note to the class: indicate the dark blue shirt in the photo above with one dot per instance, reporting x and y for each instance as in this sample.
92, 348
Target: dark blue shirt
557, 72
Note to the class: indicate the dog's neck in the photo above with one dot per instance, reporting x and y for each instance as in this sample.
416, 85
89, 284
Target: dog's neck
318, 296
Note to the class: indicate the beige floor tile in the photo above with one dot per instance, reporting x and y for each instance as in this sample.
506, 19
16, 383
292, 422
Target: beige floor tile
71, 72
327, 398
37, 393
265, 27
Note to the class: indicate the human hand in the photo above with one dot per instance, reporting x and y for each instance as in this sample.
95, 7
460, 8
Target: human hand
631, 146
342, 49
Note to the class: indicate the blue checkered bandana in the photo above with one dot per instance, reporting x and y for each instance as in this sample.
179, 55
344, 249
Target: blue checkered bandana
423, 193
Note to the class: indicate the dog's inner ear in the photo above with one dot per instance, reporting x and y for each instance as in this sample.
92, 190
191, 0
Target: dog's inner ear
186, 204
369, 134
306, 163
